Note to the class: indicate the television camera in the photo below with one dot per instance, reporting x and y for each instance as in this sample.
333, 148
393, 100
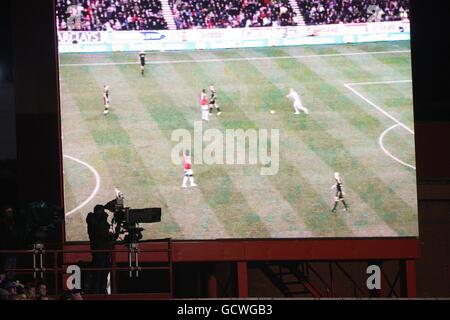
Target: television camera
126, 221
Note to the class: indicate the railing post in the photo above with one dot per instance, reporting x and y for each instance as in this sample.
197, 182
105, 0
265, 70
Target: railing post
169, 253
55, 271
113, 272
411, 286
331, 279
242, 279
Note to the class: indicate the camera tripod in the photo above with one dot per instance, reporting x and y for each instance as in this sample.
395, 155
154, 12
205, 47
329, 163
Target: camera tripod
38, 260
133, 259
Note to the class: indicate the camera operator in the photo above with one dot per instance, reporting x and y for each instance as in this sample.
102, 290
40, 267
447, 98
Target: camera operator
100, 238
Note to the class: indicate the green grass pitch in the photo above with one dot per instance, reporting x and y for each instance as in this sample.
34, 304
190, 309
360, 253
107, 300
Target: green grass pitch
130, 148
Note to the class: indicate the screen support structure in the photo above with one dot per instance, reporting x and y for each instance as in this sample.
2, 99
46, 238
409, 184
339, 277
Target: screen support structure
392, 287
305, 259
321, 267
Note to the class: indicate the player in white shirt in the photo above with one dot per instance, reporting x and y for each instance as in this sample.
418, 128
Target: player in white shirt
188, 172
295, 98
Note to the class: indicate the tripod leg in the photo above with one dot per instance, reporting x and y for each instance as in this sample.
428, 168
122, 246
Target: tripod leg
130, 264
34, 265
41, 256
137, 263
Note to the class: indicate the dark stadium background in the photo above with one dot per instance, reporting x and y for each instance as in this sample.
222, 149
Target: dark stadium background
29, 95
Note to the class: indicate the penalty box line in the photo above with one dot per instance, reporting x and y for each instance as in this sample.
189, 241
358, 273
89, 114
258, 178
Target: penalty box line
237, 59
349, 86
398, 122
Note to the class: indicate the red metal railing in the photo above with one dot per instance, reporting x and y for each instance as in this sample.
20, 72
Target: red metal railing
60, 259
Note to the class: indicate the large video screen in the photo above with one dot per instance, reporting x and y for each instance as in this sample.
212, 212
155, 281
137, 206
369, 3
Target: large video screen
240, 118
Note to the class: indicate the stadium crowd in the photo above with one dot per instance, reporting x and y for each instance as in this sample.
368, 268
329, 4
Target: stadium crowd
353, 11
107, 15
14, 290
189, 14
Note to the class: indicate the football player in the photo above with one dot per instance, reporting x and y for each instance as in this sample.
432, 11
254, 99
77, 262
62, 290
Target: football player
213, 101
295, 98
188, 172
204, 105
142, 61
339, 192
106, 99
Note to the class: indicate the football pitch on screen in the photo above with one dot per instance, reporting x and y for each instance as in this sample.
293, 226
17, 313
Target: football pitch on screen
360, 124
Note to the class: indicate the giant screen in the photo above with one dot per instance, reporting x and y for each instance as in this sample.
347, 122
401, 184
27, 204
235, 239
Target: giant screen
240, 118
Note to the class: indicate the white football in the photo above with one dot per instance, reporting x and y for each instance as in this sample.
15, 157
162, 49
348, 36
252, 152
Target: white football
272, 111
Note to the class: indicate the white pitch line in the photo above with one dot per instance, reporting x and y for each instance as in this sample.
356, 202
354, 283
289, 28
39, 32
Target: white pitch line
235, 59
349, 86
380, 142
97, 184
378, 82
398, 123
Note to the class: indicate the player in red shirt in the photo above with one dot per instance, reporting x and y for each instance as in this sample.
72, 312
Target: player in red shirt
188, 172
204, 105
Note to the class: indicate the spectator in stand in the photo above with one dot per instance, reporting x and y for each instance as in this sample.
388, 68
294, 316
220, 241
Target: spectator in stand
30, 291
10, 287
41, 292
20, 288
